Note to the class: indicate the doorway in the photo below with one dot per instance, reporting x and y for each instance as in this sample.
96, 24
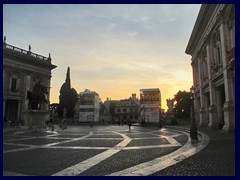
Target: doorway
11, 110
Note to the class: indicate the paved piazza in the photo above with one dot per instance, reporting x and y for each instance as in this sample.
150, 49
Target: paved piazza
97, 151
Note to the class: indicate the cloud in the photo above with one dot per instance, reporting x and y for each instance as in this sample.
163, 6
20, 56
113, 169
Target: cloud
115, 49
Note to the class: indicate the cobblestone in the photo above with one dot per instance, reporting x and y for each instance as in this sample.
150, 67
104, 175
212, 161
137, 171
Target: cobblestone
217, 159
41, 157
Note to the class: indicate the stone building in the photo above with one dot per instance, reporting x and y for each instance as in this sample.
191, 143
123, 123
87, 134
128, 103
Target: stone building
212, 47
127, 109
119, 111
87, 107
21, 70
150, 105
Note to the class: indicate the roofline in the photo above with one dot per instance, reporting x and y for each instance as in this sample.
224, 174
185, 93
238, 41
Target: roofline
150, 89
199, 26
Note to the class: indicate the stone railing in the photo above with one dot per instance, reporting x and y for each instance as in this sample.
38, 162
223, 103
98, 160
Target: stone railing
24, 52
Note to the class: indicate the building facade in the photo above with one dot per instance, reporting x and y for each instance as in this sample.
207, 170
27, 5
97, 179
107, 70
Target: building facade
88, 106
127, 109
212, 47
21, 70
150, 105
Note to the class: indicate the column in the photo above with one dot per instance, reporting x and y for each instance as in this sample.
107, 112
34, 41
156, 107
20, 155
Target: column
212, 92
201, 110
219, 107
228, 107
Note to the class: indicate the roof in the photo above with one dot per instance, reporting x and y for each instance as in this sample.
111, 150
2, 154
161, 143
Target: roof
150, 90
24, 56
89, 93
203, 18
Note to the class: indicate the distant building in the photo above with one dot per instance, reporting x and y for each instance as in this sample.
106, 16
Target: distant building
127, 109
150, 104
21, 70
88, 106
104, 112
119, 111
212, 47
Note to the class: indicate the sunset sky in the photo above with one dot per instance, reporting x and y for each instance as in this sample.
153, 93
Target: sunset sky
115, 50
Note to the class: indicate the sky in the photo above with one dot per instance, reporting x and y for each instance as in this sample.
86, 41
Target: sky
114, 50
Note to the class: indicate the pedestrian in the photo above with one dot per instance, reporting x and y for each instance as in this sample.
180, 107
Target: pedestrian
51, 125
63, 123
129, 122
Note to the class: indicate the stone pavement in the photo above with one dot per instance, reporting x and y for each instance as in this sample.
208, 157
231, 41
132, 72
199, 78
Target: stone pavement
217, 159
114, 151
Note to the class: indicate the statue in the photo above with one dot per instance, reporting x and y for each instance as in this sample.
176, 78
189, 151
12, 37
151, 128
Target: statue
37, 96
170, 105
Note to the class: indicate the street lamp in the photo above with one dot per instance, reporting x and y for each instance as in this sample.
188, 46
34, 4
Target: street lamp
193, 128
160, 119
143, 120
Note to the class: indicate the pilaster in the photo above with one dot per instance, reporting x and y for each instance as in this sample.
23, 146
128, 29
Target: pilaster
228, 107
212, 117
229, 116
212, 92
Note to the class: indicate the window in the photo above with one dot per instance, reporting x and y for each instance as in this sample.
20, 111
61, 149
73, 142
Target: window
217, 49
14, 84
204, 64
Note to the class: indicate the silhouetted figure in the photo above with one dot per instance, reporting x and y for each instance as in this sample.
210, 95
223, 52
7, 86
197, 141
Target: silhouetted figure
63, 124
51, 125
129, 122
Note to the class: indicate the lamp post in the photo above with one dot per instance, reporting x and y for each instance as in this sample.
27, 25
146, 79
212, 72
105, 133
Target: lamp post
143, 120
193, 128
160, 119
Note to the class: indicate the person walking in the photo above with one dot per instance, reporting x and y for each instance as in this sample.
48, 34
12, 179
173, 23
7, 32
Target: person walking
63, 123
51, 125
129, 122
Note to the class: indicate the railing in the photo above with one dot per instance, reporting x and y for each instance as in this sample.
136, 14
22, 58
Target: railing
22, 51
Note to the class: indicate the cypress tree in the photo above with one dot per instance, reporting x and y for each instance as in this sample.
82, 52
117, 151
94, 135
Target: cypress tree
67, 98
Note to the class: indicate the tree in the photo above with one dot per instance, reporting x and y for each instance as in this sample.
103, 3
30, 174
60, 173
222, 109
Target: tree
67, 98
183, 104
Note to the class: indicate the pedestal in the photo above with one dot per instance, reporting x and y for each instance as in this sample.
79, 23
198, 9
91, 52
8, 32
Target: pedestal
229, 117
35, 119
170, 118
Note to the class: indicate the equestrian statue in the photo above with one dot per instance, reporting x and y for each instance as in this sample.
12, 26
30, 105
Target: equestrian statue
37, 96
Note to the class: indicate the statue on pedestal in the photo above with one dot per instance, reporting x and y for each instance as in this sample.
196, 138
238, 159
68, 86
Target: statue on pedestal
170, 105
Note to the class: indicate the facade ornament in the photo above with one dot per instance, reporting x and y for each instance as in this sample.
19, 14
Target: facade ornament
221, 18
206, 39
49, 57
4, 42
